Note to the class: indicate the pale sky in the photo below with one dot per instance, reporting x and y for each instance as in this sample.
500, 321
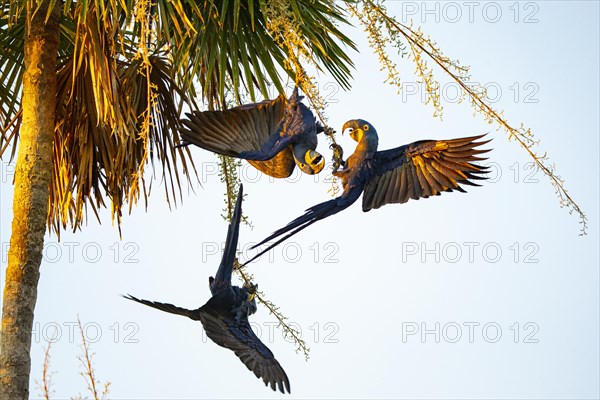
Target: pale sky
489, 294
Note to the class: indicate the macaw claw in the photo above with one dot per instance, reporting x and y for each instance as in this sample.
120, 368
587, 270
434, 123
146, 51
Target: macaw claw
338, 154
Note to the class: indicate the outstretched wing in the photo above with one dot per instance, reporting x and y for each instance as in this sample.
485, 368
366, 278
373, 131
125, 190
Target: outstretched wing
280, 166
422, 169
251, 131
170, 308
240, 338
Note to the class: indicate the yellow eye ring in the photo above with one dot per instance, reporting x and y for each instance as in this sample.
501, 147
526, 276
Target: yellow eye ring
365, 127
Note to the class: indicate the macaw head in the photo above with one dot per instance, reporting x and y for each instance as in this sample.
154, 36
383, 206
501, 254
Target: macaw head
359, 128
309, 161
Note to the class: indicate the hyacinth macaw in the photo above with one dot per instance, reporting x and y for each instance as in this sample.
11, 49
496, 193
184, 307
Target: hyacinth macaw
274, 135
420, 169
225, 315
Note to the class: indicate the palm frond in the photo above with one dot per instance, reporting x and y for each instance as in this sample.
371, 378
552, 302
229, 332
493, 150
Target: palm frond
229, 41
128, 68
11, 73
94, 159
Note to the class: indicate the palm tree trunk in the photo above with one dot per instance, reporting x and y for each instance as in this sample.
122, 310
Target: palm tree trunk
30, 204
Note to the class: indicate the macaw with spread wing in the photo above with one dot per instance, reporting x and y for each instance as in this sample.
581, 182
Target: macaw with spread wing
274, 135
420, 169
225, 315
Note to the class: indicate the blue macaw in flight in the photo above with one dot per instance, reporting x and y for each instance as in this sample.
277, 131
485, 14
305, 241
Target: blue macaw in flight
273, 135
420, 169
225, 315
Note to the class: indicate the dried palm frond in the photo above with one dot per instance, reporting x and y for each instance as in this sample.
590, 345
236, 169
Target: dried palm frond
127, 70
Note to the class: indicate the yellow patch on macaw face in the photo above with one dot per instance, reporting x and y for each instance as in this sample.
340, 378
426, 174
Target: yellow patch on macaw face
250, 290
356, 134
315, 161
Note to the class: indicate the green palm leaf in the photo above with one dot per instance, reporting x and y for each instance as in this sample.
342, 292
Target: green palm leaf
128, 68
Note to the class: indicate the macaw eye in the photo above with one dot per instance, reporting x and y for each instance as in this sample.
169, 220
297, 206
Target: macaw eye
365, 127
